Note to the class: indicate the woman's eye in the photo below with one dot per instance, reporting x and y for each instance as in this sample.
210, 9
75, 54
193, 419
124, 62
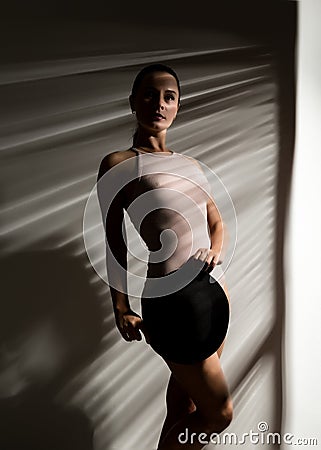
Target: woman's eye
149, 94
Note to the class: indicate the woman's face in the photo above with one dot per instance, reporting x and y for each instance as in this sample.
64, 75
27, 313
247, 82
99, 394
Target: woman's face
156, 102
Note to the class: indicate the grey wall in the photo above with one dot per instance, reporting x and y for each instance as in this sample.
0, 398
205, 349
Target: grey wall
64, 90
303, 244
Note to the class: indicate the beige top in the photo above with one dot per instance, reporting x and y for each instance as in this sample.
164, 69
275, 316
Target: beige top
167, 206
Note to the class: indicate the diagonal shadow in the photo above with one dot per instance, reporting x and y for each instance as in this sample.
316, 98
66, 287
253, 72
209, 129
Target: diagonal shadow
50, 328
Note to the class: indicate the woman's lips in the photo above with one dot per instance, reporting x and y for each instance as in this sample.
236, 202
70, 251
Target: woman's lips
158, 116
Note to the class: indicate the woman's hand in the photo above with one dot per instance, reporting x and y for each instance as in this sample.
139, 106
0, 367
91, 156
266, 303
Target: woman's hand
209, 257
129, 325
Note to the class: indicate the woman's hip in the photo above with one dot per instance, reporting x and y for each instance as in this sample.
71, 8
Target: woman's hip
190, 323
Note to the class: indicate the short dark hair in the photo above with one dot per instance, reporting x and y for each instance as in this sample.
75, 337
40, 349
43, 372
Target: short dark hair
150, 69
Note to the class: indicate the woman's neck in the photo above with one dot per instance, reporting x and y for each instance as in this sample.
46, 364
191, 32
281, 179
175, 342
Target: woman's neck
150, 143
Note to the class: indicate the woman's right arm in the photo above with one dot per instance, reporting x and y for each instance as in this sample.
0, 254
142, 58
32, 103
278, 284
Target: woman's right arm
127, 321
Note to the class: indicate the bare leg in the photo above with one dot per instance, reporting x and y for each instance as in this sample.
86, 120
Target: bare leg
205, 383
178, 404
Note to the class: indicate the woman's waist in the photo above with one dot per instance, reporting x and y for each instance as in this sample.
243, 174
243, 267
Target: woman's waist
164, 268
167, 279
171, 257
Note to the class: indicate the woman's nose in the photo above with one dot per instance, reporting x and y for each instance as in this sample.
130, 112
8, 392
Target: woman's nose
160, 102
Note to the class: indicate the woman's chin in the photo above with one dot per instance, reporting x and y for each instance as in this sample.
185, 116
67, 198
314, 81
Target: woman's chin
156, 126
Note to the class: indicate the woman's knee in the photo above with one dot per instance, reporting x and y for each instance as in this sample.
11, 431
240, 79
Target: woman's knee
177, 399
219, 418
182, 406
190, 406
227, 412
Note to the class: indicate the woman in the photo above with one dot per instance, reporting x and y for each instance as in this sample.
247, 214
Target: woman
197, 396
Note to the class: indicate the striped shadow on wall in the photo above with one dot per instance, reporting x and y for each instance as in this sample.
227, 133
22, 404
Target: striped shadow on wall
60, 118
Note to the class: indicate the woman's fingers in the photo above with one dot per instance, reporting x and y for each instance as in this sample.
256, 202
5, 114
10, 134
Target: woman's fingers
136, 333
201, 254
209, 257
125, 335
197, 254
125, 332
130, 329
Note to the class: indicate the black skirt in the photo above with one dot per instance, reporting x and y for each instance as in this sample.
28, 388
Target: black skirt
189, 325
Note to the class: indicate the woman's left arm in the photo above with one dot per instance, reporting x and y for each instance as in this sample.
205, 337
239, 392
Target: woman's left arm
217, 233
217, 230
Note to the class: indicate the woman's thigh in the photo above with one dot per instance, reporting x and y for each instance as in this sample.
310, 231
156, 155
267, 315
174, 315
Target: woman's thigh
205, 383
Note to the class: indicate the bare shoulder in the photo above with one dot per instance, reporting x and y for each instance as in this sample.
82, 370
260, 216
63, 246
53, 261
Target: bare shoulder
194, 161
112, 159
